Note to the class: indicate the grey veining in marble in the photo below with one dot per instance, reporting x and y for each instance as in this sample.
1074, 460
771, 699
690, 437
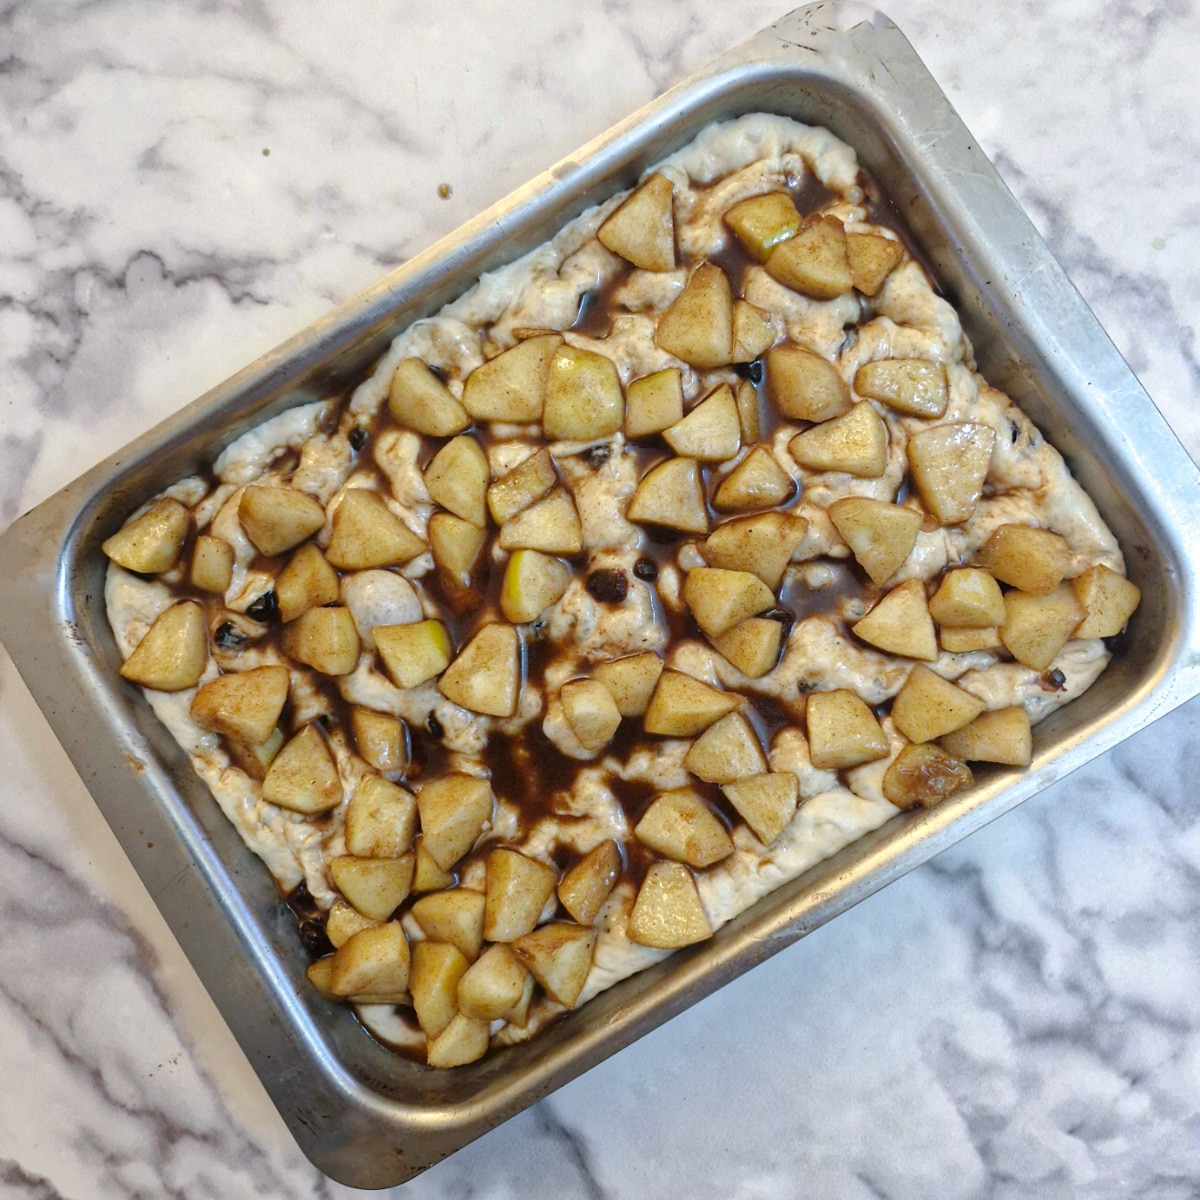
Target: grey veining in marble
182, 186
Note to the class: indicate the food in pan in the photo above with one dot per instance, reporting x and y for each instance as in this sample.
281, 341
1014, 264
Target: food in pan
660, 566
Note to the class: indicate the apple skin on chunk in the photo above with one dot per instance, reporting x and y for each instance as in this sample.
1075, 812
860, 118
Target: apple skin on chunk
814, 262
679, 825
1002, 736
881, 536
415, 653
668, 913
806, 386
925, 775
559, 956
486, 675
366, 533
948, 464
842, 731
672, 495
174, 651
928, 706
277, 518
512, 386
153, 541
304, 776
760, 223
683, 707
900, 623
583, 890
765, 802
420, 401
698, 326
584, 400
1108, 599
856, 443
243, 704
642, 229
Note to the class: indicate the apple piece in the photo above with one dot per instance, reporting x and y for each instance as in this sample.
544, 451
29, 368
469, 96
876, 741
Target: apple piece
1036, 628
630, 681
1033, 560
964, 641
420, 401
584, 400
763, 545
758, 481
752, 333
672, 494
255, 760
243, 704
307, 581
551, 526
491, 985
381, 819
318, 975
679, 825
427, 875
765, 802
591, 712
583, 890
457, 479
760, 223
1001, 736
437, 968
524, 484
454, 916
900, 623
1108, 599
726, 751
304, 776
805, 385
681, 706
486, 675
928, 706
343, 921
376, 887
856, 443
151, 542
413, 654
949, 464
173, 652
277, 518
967, 598
463, 1041
454, 809
872, 259
653, 403
212, 564
842, 731
667, 913
366, 533
880, 535
912, 386
719, 599
711, 432
532, 582
512, 386
325, 639
698, 326
814, 262
518, 888
642, 229
457, 546
559, 956
746, 398
752, 645
374, 962
925, 775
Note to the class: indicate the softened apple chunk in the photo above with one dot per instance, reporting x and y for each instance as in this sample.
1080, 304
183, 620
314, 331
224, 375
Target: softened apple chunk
856, 443
366, 533
1108, 599
584, 400
491, 985
306, 581
683, 707
711, 432
428, 876
642, 229
420, 401
381, 819
967, 598
842, 731
928, 706
433, 982
532, 582
376, 887
525, 483
925, 775
458, 546
512, 386
212, 564
153, 541
752, 332
680, 826
325, 639
763, 545
760, 223
413, 654
814, 261
551, 526
343, 921
806, 386
591, 712
726, 751
746, 398
518, 888
486, 675
672, 494
174, 651
374, 962
463, 1041
1002, 736
765, 802
964, 641
243, 704
698, 326
454, 916
653, 403
719, 599
912, 386
900, 623
1036, 628
454, 809
1034, 560
872, 259
752, 645
255, 760
277, 518
304, 776
457, 479
881, 536
583, 890
667, 913
757, 482
949, 464
559, 956
630, 681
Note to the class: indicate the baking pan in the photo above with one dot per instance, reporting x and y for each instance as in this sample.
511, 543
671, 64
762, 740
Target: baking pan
372, 1118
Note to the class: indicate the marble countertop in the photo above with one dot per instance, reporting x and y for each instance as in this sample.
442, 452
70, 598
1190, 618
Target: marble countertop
184, 185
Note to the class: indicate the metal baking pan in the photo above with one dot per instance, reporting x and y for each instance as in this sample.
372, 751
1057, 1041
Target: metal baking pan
363, 1114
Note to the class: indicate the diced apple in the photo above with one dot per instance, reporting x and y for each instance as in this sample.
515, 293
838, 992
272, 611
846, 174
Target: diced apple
433, 981
667, 913
415, 653
726, 751
924, 775
746, 398
153, 541
880, 535
630, 681
584, 400
757, 482
900, 623
532, 582
454, 916
1036, 628
1034, 560
255, 760
524, 484
679, 825
872, 259
463, 1041
752, 645
457, 546
343, 921
486, 675
964, 641
518, 888
559, 956
683, 707
512, 386
583, 890
698, 326
1002, 736
306, 581
551, 526
174, 651
672, 494
719, 599
590, 711
967, 598
243, 704
949, 464
763, 545
212, 564
653, 403
842, 731
304, 776
912, 386
420, 401
454, 809
277, 518
805, 385
376, 887
366, 533
1108, 599
325, 639
381, 819
765, 802
374, 962
492, 984
928, 706
457, 479
814, 262
642, 229
760, 223
752, 334
427, 875
856, 443
711, 432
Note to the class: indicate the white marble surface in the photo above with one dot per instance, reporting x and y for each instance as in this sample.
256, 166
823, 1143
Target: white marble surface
1020, 1018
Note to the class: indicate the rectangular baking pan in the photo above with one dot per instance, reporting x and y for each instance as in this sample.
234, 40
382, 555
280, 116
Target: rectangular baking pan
363, 1114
